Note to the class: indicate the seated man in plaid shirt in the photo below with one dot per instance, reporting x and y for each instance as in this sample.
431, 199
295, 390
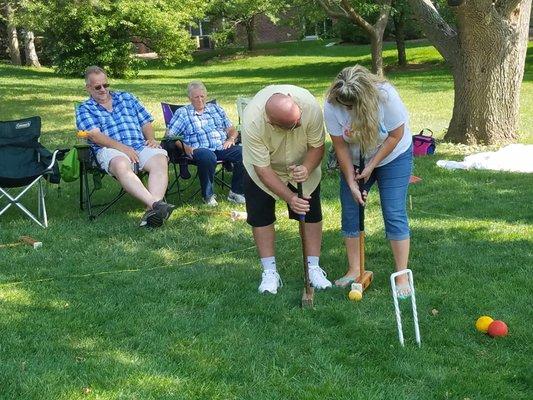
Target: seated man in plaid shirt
122, 137
208, 136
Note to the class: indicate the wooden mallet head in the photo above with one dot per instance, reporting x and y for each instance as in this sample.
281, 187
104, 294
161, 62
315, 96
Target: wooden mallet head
308, 296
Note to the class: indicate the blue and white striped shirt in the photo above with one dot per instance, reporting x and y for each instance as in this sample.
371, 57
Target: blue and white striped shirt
206, 130
123, 124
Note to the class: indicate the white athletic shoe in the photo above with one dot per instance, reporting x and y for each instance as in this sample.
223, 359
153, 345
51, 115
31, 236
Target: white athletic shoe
212, 201
270, 281
236, 198
317, 276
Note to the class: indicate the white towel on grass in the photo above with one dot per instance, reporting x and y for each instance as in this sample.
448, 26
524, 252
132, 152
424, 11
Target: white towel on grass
511, 158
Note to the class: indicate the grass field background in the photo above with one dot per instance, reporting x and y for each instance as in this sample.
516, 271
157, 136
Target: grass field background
106, 310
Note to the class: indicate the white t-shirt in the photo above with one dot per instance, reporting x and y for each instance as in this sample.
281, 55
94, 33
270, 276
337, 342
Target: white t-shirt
392, 114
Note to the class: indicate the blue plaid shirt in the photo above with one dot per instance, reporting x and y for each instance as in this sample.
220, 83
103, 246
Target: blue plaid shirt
206, 130
123, 124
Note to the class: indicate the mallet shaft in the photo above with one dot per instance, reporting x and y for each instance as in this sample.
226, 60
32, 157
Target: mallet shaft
301, 225
361, 220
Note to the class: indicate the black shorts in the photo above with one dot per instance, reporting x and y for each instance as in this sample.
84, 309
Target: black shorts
261, 207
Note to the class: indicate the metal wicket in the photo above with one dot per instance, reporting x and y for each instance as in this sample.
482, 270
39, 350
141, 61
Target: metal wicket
409, 274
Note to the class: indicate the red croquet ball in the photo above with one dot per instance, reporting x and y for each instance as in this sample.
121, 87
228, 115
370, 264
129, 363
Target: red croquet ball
497, 328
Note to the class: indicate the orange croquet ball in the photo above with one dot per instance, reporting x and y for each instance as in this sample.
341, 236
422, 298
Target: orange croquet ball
482, 323
497, 328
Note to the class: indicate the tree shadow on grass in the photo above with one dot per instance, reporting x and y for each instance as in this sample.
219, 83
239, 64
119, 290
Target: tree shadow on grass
433, 80
304, 49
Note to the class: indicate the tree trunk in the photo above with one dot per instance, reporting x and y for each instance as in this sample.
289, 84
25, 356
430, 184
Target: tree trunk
399, 34
12, 37
29, 50
250, 33
375, 32
487, 76
376, 46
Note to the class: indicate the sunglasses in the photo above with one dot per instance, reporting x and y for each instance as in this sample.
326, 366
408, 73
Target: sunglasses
99, 87
343, 104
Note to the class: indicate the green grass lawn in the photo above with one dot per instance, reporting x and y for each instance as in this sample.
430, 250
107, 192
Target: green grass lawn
106, 310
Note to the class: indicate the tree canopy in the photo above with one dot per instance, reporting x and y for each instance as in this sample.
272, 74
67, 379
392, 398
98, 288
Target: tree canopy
85, 32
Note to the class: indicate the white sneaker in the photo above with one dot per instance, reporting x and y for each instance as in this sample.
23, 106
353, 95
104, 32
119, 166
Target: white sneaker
212, 201
317, 276
236, 198
270, 281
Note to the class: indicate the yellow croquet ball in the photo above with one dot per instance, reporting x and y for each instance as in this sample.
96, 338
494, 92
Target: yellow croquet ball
482, 323
355, 295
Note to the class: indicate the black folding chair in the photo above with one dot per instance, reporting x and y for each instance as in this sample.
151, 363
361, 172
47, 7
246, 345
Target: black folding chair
24, 163
179, 159
91, 176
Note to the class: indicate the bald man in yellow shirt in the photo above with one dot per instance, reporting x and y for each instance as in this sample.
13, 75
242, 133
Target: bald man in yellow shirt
283, 144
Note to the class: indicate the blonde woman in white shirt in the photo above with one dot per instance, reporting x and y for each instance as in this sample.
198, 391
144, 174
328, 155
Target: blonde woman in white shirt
364, 115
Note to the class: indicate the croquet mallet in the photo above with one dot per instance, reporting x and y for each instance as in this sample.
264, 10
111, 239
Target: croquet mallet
365, 277
28, 240
308, 293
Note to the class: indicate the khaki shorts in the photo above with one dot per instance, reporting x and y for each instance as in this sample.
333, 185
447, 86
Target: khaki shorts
106, 154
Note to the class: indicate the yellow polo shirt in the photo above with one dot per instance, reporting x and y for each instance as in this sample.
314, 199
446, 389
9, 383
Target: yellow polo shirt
266, 145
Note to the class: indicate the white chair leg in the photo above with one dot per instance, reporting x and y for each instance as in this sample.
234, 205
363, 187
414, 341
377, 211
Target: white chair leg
39, 200
42, 204
42, 219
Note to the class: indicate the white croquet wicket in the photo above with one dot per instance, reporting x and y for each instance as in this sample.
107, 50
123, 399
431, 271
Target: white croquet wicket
409, 274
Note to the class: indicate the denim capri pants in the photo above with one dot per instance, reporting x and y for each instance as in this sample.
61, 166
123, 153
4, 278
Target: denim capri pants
393, 182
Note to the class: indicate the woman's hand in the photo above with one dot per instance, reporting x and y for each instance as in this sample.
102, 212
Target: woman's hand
365, 174
358, 196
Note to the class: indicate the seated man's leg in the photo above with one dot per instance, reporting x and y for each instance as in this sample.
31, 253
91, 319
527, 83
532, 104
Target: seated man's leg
206, 161
155, 162
119, 165
234, 155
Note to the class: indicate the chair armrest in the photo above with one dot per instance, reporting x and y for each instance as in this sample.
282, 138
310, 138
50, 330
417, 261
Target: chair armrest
84, 153
54, 157
176, 140
62, 153
175, 149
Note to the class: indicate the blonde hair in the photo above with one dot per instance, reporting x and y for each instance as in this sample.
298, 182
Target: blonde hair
358, 87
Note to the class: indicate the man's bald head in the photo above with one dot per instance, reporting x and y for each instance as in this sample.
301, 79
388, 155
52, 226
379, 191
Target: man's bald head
283, 111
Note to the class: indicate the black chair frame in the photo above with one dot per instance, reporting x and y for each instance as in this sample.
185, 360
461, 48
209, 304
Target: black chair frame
89, 166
